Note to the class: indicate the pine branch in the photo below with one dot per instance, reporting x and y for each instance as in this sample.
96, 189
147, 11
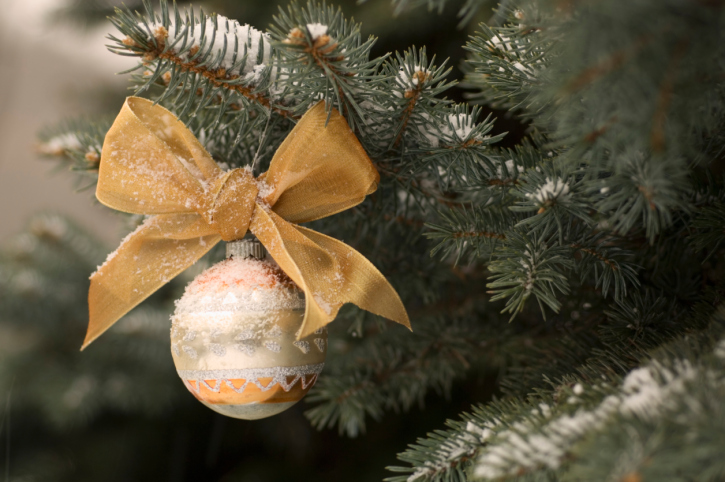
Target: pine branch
199, 61
322, 54
550, 434
388, 371
708, 228
406, 102
473, 233
44, 286
77, 142
599, 258
529, 265
646, 191
506, 62
558, 198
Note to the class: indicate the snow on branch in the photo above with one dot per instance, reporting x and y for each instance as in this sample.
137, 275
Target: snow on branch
646, 393
207, 56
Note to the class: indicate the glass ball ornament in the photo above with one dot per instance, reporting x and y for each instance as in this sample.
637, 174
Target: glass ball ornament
234, 337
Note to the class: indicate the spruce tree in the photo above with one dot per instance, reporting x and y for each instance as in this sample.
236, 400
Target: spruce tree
577, 268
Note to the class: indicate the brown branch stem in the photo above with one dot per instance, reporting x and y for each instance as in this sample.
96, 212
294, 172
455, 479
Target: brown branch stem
597, 255
218, 78
657, 137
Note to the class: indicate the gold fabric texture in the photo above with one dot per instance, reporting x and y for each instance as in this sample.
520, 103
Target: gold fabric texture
152, 164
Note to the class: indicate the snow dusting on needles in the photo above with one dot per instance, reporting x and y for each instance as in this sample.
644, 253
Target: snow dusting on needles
316, 30
235, 41
461, 445
255, 76
501, 42
458, 128
553, 189
461, 124
408, 79
645, 393
511, 169
58, 145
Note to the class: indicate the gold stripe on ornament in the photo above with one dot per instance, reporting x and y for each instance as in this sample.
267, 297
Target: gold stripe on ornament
257, 385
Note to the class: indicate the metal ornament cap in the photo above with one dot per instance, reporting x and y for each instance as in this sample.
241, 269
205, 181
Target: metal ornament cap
246, 248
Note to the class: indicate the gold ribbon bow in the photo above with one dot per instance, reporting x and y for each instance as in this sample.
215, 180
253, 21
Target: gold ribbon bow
152, 164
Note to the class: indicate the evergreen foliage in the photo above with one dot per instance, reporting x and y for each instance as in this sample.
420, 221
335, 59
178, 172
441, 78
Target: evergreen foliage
581, 265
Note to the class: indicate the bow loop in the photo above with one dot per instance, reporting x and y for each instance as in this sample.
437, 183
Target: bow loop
152, 164
319, 170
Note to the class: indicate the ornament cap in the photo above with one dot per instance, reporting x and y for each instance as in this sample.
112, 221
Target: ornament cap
246, 248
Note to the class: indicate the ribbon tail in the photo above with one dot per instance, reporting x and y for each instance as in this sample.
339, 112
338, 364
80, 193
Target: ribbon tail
362, 284
299, 258
330, 272
161, 248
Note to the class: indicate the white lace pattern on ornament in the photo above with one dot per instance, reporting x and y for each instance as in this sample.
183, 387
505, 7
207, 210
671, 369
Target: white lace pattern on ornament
198, 378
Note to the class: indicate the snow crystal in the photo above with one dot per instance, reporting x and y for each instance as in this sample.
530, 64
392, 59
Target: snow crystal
451, 451
511, 168
523, 68
545, 409
553, 189
231, 38
316, 30
410, 79
462, 125
419, 472
264, 190
113, 254
58, 145
482, 433
255, 76
645, 393
246, 285
501, 42
456, 128
324, 304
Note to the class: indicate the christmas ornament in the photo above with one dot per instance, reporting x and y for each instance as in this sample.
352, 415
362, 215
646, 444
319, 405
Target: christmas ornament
234, 337
152, 164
